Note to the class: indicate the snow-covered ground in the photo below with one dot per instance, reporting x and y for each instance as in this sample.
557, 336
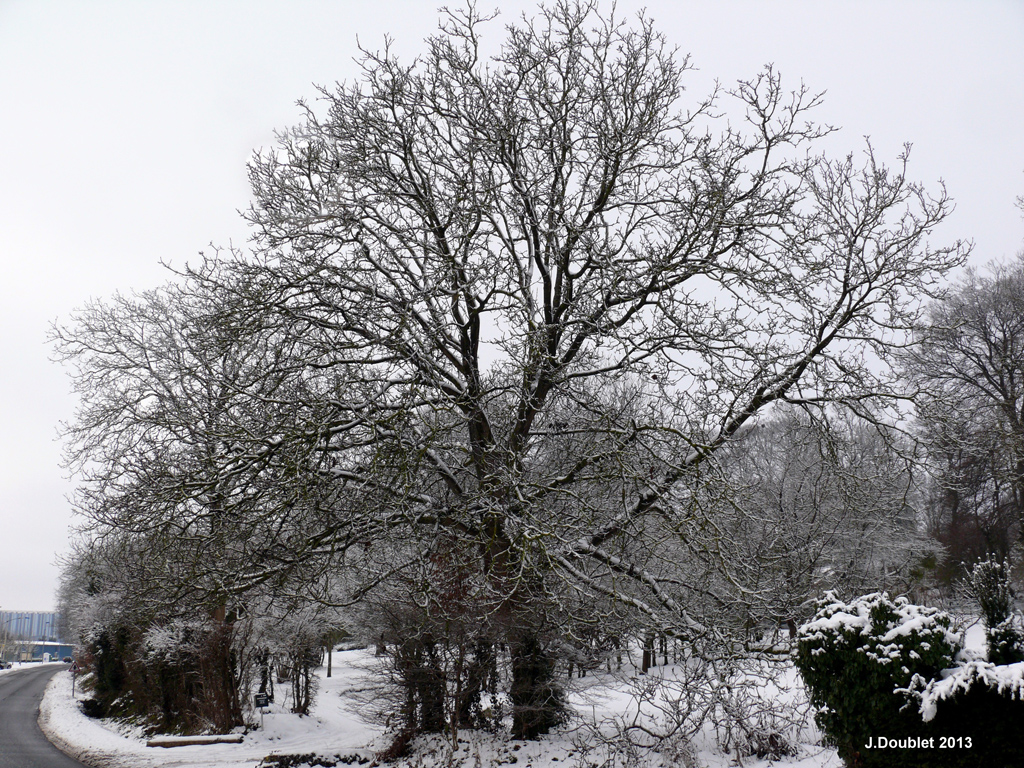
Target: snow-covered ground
23, 664
335, 728
15, 666
342, 725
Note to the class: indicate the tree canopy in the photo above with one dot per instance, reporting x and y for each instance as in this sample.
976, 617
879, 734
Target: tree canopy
501, 314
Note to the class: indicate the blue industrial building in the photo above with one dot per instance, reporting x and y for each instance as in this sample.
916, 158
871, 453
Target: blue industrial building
31, 635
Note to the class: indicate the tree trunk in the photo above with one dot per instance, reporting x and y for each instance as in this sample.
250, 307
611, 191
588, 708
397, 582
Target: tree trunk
537, 701
478, 672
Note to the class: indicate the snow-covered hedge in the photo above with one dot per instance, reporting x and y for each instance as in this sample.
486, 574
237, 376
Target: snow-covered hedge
854, 656
893, 688
1006, 680
973, 715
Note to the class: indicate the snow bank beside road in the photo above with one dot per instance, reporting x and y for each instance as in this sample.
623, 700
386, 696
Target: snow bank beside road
81, 737
334, 727
26, 664
338, 727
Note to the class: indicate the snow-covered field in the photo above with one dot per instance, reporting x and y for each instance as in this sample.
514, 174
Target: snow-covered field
342, 726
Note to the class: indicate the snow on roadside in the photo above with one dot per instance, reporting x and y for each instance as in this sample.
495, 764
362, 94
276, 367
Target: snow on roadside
26, 664
338, 727
80, 737
334, 728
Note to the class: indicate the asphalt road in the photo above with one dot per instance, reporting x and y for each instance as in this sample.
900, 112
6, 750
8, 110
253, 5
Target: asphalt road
22, 744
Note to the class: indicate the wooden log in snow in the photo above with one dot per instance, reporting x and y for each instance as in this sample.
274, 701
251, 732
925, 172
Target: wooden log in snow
187, 741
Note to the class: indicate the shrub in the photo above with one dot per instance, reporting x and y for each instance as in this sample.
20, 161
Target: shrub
989, 584
978, 709
173, 677
107, 654
1005, 641
854, 656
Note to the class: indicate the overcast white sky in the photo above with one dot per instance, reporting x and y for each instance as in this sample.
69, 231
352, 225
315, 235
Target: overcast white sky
125, 127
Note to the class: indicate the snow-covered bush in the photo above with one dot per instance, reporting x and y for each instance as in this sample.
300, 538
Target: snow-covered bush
1005, 680
854, 656
1005, 641
973, 714
170, 676
989, 584
173, 641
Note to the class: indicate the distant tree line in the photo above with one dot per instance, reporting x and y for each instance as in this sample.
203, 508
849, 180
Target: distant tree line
968, 376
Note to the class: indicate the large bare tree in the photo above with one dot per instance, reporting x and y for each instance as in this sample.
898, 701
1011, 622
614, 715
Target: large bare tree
549, 292
522, 295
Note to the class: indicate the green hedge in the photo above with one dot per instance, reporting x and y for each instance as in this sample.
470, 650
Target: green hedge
884, 673
854, 656
975, 716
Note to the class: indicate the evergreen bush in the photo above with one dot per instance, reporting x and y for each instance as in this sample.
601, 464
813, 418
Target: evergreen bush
974, 715
989, 583
854, 656
990, 586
